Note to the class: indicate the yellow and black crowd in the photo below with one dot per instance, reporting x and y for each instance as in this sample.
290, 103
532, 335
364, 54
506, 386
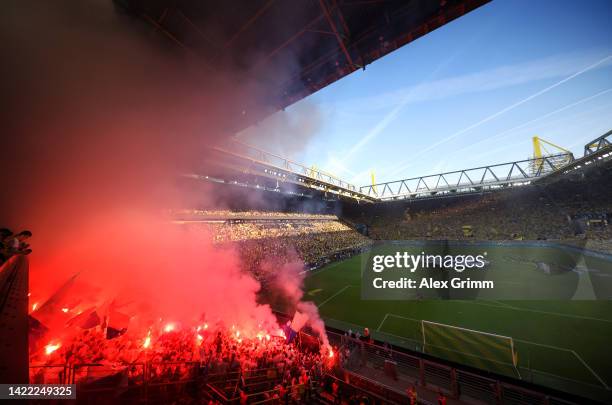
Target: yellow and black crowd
521, 214
314, 239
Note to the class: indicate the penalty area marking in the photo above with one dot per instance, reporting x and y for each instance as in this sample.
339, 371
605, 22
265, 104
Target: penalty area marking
381, 322
591, 370
563, 349
396, 316
537, 311
405, 338
502, 304
334, 296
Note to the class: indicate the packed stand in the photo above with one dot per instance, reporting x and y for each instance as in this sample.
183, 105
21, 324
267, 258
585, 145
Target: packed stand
563, 211
311, 240
214, 355
314, 239
196, 214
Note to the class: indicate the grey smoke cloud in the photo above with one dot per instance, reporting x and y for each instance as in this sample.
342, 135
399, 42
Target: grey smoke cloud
288, 132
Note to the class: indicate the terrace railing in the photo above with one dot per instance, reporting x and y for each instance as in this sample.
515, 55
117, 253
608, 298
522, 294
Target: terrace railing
369, 360
252, 160
154, 382
161, 382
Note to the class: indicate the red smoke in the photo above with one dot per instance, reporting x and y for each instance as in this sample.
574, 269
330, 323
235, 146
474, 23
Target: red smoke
287, 283
100, 123
153, 268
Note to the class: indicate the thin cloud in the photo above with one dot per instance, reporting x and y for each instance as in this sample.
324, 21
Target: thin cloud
486, 80
336, 165
505, 133
381, 125
401, 101
600, 62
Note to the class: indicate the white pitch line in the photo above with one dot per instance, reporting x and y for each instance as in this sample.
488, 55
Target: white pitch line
603, 383
537, 311
563, 349
502, 304
517, 372
591, 370
333, 296
381, 322
563, 378
405, 317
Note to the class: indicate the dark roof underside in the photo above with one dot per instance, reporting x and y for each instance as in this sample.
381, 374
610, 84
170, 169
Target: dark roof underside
294, 47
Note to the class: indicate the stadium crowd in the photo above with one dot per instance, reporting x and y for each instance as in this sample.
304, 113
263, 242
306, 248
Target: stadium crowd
314, 242
250, 214
193, 365
316, 239
560, 213
214, 354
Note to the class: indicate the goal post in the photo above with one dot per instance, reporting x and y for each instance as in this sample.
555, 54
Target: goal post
457, 343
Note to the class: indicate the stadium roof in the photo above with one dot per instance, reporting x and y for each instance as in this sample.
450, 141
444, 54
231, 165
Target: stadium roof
312, 42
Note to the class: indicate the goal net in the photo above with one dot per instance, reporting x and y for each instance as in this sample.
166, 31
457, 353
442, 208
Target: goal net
481, 349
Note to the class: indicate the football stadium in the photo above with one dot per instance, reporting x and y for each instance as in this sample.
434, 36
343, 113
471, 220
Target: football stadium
306, 202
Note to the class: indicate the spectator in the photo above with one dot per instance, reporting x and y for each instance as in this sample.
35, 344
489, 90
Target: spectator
366, 336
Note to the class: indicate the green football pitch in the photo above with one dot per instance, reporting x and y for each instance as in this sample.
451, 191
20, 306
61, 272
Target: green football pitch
564, 344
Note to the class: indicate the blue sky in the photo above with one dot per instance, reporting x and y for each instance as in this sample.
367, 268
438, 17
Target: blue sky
473, 92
